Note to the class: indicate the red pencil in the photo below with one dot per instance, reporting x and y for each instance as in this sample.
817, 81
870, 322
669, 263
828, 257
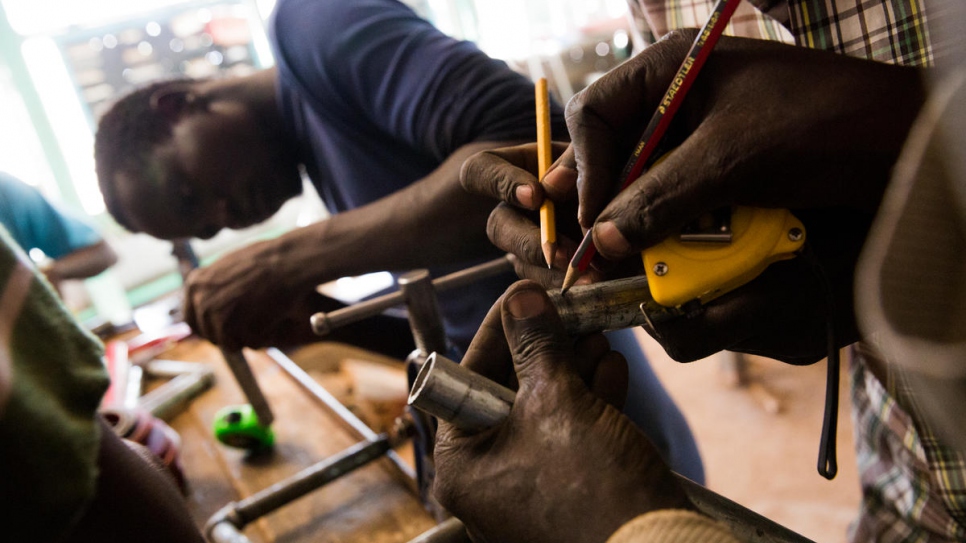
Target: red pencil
657, 126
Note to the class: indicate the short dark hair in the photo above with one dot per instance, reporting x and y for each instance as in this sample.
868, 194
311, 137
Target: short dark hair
127, 134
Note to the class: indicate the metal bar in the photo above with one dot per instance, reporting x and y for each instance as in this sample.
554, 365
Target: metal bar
323, 323
348, 419
608, 305
487, 402
425, 320
226, 532
241, 513
249, 385
165, 401
450, 530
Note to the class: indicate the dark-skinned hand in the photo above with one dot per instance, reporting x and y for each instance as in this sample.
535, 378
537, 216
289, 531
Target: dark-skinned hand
566, 465
242, 301
765, 124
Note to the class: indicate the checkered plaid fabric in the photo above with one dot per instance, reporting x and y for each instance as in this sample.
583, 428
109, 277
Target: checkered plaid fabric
884, 30
913, 488
662, 16
891, 31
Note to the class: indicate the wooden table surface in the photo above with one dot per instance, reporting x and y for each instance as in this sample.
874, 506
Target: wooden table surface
372, 504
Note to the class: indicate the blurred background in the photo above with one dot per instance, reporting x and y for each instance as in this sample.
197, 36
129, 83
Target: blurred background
62, 62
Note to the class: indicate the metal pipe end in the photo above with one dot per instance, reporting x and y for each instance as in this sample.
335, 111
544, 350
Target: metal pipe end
422, 378
320, 324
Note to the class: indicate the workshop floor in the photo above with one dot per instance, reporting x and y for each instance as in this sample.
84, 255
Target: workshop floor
762, 459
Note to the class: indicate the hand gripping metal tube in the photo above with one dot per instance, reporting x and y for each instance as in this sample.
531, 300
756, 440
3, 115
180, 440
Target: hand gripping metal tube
470, 401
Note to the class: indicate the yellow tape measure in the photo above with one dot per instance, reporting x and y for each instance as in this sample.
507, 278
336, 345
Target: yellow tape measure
686, 267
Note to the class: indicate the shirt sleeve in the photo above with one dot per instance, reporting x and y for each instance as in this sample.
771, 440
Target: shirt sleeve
673, 526
378, 62
35, 223
52, 379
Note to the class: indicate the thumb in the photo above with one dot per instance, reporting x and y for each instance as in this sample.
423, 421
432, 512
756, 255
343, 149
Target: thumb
538, 342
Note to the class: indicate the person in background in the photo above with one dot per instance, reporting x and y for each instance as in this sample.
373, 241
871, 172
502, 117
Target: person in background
66, 476
379, 109
772, 125
73, 248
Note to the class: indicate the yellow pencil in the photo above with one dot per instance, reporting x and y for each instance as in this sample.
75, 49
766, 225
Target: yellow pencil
548, 223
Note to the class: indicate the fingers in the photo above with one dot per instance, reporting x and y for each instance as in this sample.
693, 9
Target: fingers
603, 370
560, 183
606, 119
682, 185
514, 233
507, 174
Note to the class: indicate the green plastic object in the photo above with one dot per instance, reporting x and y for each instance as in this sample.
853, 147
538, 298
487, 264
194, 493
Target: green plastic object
237, 426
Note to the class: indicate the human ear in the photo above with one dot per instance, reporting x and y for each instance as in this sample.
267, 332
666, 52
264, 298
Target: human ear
174, 101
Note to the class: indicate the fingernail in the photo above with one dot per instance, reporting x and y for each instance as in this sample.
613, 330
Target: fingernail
526, 303
524, 195
609, 240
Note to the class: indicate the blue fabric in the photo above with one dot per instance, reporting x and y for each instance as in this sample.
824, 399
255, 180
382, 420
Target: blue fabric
34, 223
377, 98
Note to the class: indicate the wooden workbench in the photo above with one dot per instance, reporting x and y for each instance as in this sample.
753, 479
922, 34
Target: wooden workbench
372, 504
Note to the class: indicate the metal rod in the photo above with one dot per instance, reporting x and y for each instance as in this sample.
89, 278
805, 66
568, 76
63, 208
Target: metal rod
425, 320
349, 420
608, 305
249, 385
265, 501
225, 532
324, 323
450, 530
166, 401
487, 402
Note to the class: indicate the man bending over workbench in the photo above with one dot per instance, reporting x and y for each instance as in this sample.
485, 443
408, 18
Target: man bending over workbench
380, 109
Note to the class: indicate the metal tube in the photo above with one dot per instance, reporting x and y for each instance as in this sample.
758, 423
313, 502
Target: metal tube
226, 532
249, 385
453, 393
323, 323
488, 401
165, 401
608, 305
425, 320
351, 422
450, 530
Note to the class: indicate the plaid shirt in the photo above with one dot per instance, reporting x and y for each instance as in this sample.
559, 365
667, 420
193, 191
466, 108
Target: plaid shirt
884, 30
914, 489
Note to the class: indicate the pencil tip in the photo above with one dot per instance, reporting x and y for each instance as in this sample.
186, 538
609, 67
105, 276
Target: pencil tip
569, 279
549, 253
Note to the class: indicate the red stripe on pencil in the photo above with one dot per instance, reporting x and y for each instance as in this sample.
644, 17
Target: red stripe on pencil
657, 126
